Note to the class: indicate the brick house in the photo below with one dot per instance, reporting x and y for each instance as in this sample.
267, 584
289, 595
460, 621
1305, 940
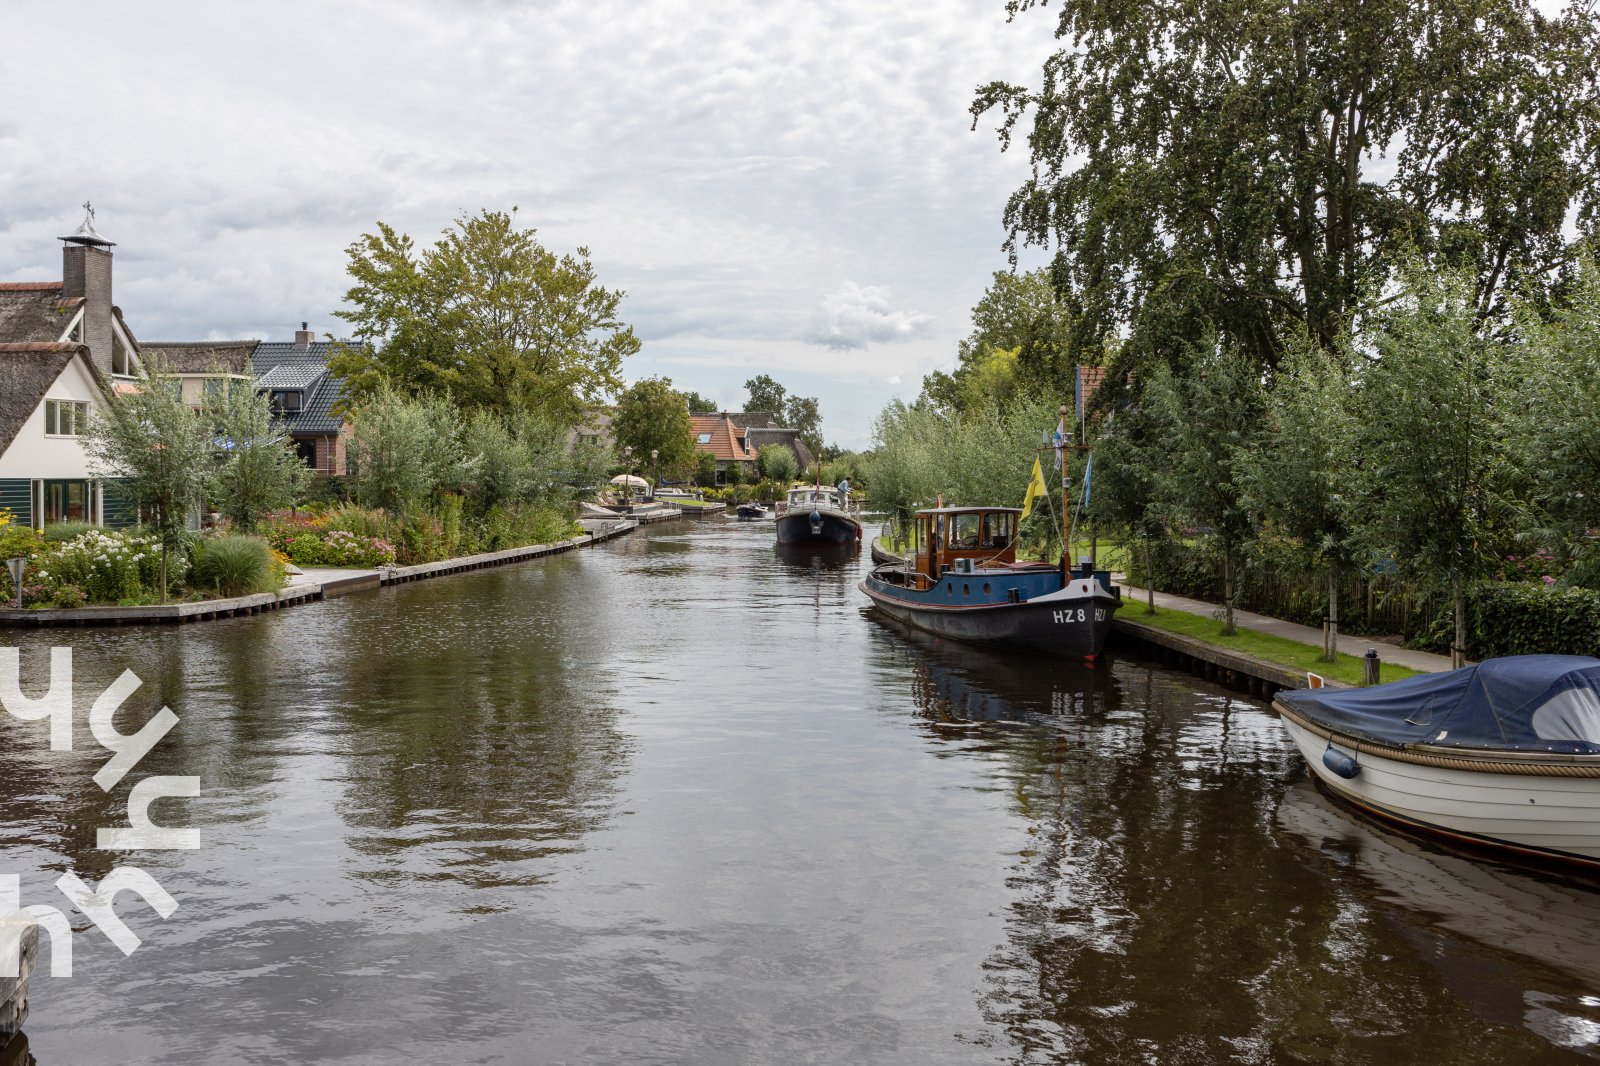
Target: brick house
304, 393
63, 348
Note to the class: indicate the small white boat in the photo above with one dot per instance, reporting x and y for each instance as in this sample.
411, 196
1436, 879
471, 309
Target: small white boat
1504, 753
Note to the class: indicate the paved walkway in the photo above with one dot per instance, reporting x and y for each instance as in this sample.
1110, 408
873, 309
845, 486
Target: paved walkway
1134, 599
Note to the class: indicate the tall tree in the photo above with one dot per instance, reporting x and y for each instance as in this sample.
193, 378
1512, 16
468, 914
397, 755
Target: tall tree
259, 470
804, 414
1024, 316
1212, 163
1208, 417
1553, 431
698, 404
487, 315
1429, 447
1300, 475
160, 448
652, 417
766, 395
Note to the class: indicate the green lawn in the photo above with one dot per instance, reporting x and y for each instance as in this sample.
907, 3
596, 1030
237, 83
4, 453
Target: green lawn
1261, 645
715, 505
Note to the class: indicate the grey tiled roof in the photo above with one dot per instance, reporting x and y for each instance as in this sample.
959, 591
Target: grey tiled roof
286, 361
201, 357
34, 311
291, 376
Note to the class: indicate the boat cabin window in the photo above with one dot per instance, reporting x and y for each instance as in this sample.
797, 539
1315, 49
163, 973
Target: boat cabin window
999, 530
965, 530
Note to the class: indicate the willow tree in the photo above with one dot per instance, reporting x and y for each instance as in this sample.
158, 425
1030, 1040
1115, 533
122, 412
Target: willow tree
1429, 443
487, 315
1215, 164
1301, 474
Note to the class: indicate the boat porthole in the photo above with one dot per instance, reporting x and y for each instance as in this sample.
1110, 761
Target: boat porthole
966, 590
986, 588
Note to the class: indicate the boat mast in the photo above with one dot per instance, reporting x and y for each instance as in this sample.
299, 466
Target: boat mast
1066, 515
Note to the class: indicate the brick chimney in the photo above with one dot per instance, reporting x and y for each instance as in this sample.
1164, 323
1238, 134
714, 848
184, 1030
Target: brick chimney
304, 338
86, 272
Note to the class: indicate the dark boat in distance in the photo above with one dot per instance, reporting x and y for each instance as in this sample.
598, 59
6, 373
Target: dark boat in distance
815, 514
751, 510
964, 581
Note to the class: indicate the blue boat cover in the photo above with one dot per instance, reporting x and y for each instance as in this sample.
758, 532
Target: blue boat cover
1547, 703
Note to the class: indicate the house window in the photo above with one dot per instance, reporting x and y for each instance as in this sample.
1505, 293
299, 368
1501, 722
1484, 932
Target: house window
703, 438
121, 365
286, 401
307, 450
65, 418
66, 501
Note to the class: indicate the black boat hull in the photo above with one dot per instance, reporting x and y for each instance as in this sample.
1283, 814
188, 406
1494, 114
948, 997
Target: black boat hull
796, 527
1074, 625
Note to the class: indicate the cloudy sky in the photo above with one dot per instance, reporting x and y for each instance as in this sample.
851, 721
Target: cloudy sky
783, 188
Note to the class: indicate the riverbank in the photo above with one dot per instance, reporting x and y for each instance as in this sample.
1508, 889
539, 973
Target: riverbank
311, 585
1266, 655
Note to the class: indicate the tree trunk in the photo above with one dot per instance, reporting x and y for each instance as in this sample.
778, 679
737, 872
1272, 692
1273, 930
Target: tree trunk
1458, 647
1330, 650
1228, 628
1149, 580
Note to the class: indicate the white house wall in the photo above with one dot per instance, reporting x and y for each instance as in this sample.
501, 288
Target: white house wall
32, 454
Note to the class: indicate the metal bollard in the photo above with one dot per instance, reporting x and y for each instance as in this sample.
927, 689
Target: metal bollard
1369, 667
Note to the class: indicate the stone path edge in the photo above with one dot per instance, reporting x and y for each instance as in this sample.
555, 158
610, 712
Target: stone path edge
310, 592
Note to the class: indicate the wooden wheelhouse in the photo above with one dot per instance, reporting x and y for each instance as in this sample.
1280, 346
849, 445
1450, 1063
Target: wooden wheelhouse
963, 538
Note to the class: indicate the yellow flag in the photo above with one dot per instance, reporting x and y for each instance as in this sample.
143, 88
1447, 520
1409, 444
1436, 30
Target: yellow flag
1036, 490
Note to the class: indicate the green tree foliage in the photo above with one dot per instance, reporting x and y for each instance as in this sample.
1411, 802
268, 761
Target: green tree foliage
1552, 427
766, 395
1212, 165
698, 404
1208, 417
777, 463
1022, 316
705, 468
1300, 477
487, 315
652, 417
162, 450
1428, 444
406, 451
259, 471
1128, 455
790, 411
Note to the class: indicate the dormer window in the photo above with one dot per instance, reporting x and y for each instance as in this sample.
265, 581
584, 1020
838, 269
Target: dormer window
121, 363
286, 401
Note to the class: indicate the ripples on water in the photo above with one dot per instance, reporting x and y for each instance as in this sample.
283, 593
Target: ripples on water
685, 799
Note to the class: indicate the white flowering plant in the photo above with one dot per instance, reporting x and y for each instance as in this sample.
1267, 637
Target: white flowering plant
108, 566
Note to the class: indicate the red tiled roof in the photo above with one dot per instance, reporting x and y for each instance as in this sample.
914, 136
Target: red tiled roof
725, 438
1090, 378
29, 286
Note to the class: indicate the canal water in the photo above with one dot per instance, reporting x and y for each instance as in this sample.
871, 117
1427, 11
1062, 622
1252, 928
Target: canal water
683, 799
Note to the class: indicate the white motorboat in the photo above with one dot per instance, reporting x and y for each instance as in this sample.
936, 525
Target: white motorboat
1503, 753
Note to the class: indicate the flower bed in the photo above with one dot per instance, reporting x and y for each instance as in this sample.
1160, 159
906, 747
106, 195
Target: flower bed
306, 543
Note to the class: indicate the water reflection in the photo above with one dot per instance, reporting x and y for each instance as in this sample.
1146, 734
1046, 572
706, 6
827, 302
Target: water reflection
1518, 946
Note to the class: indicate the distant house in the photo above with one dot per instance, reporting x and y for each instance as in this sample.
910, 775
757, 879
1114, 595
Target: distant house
303, 393
201, 366
761, 428
726, 441
63, 349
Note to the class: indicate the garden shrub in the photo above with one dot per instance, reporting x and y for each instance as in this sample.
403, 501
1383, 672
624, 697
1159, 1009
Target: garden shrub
60, 532
233, 566
107, 567
1520, 618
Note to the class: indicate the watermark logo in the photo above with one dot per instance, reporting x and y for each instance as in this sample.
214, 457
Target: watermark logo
96, 902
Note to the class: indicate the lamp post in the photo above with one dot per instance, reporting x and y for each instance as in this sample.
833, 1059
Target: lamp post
17, 565
627, 459
655, 470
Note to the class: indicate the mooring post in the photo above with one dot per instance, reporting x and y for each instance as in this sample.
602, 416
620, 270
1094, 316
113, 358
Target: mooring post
1369, 667
14, 990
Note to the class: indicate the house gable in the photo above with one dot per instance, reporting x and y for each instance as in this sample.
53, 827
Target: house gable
30, 375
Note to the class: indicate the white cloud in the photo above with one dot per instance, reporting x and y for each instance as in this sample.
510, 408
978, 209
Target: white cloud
858, 315
724, 163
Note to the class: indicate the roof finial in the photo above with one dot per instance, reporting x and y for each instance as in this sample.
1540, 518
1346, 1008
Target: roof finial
86, 233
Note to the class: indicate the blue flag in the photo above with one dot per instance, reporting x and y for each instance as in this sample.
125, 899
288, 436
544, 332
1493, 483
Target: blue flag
1088, 469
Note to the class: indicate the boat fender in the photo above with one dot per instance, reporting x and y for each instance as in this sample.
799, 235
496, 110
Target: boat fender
815, 516
1340, 763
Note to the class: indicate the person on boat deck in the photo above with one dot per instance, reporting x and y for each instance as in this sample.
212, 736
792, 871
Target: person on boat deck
844, 491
